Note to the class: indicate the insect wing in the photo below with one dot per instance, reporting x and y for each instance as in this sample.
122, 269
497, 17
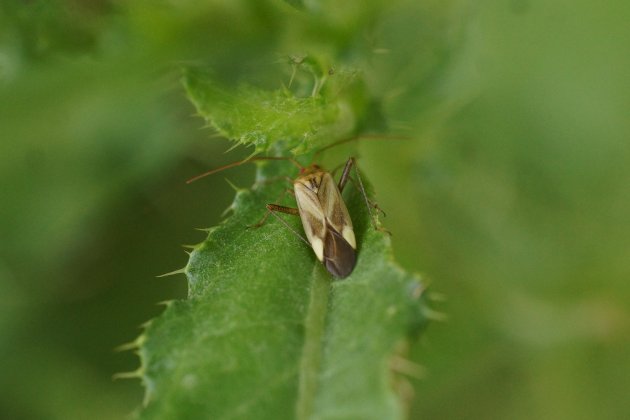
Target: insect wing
339, 257
339, 243
335, 210
312, 216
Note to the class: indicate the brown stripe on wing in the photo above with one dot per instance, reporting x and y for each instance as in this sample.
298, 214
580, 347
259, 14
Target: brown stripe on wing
339, 256
332, 204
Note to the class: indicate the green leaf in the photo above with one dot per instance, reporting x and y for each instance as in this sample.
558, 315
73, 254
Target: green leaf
255, 117
266, 333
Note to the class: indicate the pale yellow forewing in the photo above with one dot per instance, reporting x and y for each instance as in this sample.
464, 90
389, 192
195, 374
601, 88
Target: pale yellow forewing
312, 216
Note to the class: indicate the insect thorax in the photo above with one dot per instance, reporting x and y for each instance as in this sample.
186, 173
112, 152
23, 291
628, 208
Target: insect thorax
311, 181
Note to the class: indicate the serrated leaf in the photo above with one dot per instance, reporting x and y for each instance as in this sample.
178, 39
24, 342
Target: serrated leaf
266, 333
256, 117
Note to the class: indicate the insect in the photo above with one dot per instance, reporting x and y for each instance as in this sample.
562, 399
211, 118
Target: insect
325, 218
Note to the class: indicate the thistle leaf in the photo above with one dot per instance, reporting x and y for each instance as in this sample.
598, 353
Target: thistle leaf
255, 117
266, 333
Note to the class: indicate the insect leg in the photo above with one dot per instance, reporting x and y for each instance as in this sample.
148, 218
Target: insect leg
264, 218
345, 174
282, 209
372, 203
274, 209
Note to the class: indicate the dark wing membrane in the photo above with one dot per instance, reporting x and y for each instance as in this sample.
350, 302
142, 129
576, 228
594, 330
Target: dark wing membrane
339, 256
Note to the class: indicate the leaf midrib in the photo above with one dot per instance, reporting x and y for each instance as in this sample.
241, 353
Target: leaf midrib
314, 329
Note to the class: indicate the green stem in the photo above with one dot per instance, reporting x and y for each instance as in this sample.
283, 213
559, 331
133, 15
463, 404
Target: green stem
314, 335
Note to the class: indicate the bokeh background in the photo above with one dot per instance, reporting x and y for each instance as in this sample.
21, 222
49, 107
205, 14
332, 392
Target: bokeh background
512, 198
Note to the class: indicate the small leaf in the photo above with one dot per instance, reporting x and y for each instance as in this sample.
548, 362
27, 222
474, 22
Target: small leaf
266, 333
252, 116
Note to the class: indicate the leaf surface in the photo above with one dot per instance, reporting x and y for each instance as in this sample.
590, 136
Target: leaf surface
266, 333
252, 116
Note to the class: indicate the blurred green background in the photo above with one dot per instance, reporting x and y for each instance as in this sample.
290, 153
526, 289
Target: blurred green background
512, 198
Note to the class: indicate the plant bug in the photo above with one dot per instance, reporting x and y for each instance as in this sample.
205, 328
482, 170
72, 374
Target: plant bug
325, 218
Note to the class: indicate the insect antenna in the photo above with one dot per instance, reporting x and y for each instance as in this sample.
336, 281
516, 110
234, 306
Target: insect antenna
241, 162
288, 226
355, 138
